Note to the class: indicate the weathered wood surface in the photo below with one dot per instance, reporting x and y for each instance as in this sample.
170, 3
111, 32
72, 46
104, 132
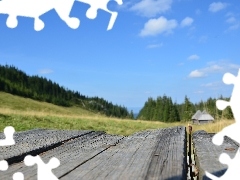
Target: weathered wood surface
207, 154
152, 154
36, 141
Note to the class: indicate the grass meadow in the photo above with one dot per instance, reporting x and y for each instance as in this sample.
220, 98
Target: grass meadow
24, 114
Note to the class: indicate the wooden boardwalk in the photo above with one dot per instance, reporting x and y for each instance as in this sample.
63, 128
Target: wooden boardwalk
207, 154
152, 154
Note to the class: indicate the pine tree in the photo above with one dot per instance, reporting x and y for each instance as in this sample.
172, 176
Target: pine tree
187, 109
19, 83
131, 116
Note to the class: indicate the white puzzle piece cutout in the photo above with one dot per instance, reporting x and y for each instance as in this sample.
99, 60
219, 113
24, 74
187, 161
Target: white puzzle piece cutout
3, 165
232, 131
101, 4
36, 8
8, 132
233, 167
8, 141
18, 176
44, 171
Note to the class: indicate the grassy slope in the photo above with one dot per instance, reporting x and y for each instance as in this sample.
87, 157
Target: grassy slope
24, 114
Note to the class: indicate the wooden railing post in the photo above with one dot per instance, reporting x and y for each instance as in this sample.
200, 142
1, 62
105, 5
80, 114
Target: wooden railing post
190, 150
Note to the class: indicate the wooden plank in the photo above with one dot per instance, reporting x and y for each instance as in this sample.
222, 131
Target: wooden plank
35, 141
71, 154
156, 154
169, 160
114, 161
207, 154
152, 154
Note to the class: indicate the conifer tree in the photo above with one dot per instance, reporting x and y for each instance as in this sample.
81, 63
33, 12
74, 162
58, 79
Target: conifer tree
187, 109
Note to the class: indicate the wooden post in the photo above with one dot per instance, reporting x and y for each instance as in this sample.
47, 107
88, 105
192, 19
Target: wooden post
190, 150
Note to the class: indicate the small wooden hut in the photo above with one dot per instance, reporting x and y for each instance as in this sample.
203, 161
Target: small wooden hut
202, 117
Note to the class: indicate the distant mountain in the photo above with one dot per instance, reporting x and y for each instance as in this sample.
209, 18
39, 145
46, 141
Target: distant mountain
17, 82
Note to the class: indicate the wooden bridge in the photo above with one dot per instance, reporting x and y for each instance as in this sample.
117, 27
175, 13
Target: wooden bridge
152, 154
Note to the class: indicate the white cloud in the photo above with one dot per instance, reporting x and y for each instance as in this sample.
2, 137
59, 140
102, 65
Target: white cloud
151, 8
186, 22
234, 23
217, 6
193, 57
196, 74
231, 20
151, 46
45, 71
158, 26
214, 67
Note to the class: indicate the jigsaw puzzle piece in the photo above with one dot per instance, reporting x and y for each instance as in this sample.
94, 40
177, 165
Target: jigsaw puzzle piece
224, 159
63, 9
44, 170
36, 8
25, 8
232, 131
218, 139
229, 78
221, 104
6, 7
211, 176
8, 132
112, 20
3, 165
235, 97
100, 4
233, 167
38, 24
12, 21
18, 176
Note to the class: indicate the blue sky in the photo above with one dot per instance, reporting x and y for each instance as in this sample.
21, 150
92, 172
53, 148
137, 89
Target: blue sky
156, 47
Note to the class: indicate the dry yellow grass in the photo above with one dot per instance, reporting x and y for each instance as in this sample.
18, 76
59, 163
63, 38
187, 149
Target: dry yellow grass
213, 127
25, 121
8, 111
24, 114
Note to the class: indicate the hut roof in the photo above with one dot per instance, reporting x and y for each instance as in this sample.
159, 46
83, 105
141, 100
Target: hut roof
204, 116
197, 115
204, 112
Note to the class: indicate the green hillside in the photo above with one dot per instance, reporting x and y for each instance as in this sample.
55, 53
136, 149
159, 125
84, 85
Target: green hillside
24, 113
17, 82
29, 102
20, 105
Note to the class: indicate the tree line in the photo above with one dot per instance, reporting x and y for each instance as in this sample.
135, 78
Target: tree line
160, 109
17, 82
163, 109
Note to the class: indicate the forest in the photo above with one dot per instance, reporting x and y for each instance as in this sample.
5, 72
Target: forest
163, 109
17, 82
